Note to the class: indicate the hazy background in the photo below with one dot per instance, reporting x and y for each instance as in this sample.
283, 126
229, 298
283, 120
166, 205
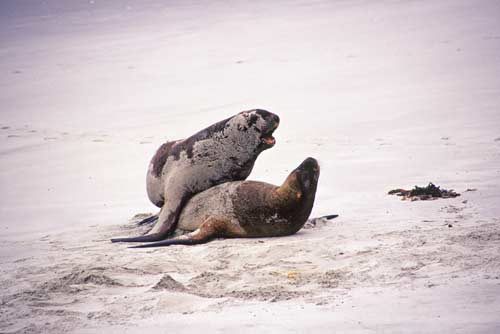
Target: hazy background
89, 90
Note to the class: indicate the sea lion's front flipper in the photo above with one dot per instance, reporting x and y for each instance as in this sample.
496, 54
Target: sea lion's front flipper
142, 238
211, 228
162, 229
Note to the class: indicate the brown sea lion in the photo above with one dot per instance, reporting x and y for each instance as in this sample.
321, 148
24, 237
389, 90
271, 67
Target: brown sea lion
225, 151
246, 209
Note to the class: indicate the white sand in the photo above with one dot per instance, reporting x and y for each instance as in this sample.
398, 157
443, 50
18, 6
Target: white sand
384, 95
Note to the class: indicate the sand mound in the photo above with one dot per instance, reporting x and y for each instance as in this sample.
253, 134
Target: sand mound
88, 276
168, 283
77, 278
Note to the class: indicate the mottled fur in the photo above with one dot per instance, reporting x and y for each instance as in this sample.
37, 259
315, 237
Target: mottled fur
225, 151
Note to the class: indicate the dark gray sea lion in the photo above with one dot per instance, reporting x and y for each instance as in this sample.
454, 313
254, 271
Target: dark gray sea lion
225, 151
246, 209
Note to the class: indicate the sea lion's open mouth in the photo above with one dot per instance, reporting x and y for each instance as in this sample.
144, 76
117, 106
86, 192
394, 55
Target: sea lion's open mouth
268, 140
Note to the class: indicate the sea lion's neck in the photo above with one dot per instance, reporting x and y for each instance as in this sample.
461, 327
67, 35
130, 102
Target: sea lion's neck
295, 201
289, 193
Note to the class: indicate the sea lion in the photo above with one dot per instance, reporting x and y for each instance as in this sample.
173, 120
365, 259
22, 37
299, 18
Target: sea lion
225, 151
245, 209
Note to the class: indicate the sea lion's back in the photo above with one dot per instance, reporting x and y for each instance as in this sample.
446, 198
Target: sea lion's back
214, 202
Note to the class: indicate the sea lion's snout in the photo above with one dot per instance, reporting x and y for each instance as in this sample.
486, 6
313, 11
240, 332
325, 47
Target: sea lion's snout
275, 121
308, 172
310, 164
271, 119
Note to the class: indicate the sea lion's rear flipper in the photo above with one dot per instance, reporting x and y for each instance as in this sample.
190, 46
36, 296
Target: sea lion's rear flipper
149, 220
328, 217
210, 229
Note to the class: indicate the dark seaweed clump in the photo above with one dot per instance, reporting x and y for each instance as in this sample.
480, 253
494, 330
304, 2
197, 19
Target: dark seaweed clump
430, 192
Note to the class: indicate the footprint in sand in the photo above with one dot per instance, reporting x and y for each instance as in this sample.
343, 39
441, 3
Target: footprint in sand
382, 142
101, 139
497, 139
319, 141
13, 136
50, 138
5, 127
446, 140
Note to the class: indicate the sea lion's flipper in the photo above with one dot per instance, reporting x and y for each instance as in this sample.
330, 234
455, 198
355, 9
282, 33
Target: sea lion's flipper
328, 217
162, 229
142, 238
210, 229
149, 220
